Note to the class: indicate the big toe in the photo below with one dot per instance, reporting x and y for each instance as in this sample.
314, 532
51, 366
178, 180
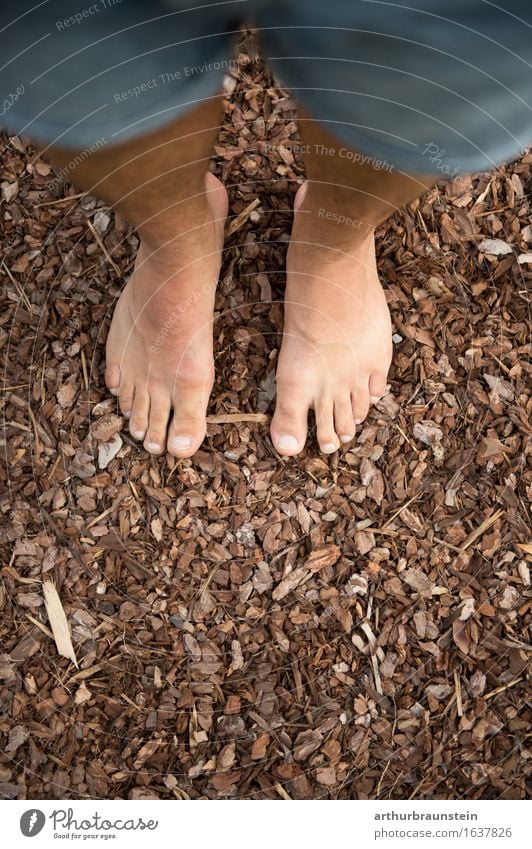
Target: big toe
289, 423
187, 429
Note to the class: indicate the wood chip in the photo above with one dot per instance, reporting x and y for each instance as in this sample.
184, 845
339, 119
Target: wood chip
58, 622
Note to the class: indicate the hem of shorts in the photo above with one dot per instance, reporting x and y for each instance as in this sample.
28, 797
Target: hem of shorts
402, 160
158, 115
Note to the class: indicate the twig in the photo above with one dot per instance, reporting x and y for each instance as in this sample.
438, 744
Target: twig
228, 418
60, 200
241, 218
501, 689
403, 507
474, 535
458, 692
84, 367
18, 288
109, 258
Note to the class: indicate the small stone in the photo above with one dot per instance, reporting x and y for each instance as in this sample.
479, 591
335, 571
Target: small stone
107, 451
495, 247
101, 222
104, 428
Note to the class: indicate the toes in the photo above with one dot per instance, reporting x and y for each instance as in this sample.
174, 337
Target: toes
125, 399
343, 419
187, 430
112, 378
325, 432
138, 423
155, 440
360, 402
377, 387
289, 424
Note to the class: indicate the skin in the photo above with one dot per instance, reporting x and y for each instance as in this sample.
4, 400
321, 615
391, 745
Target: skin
159, 358
336, 347
337, 340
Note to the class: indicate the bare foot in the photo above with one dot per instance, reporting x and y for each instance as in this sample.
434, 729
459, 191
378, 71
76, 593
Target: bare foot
159, 348
337, 341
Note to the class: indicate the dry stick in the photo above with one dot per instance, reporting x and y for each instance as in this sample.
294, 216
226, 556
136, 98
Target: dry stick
403, 507
282, 792
458, 693
403, 434
18, 386
17, 287
109, 258
84, 367
36, 431
19, 426
60, 200
98, 518
241, 218
497, 360
41, 627
501, 689
92, 670
474, 535
228, 418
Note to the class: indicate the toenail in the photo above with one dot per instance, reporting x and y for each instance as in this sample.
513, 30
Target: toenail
329, 448
359, 421
153, 447
128, 414
374, 398
346, 438
287, 443
138, 434
113, 391
180, 443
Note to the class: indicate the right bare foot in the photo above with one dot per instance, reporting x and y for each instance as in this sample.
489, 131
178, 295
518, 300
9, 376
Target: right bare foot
159, 348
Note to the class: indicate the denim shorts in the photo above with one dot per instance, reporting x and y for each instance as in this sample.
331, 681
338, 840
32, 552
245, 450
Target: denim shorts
427, 86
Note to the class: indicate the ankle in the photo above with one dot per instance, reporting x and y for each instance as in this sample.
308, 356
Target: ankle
325, 248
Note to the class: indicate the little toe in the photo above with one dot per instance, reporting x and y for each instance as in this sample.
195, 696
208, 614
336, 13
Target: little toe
325, 432
138, 422
290, 420
155, 440
343, 419
360, 401
112, 378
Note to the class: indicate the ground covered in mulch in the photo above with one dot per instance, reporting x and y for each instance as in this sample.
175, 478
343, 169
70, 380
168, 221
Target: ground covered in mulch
245, 625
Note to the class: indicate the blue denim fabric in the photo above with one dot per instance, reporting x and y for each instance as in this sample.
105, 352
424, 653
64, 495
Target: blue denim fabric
427, 86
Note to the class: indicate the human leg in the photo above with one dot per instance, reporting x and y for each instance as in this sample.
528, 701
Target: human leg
337, 343
159, 348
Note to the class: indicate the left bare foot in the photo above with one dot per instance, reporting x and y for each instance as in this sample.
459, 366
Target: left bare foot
337, 340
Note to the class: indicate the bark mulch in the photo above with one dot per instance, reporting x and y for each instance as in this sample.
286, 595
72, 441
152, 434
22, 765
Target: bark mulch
242, 625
